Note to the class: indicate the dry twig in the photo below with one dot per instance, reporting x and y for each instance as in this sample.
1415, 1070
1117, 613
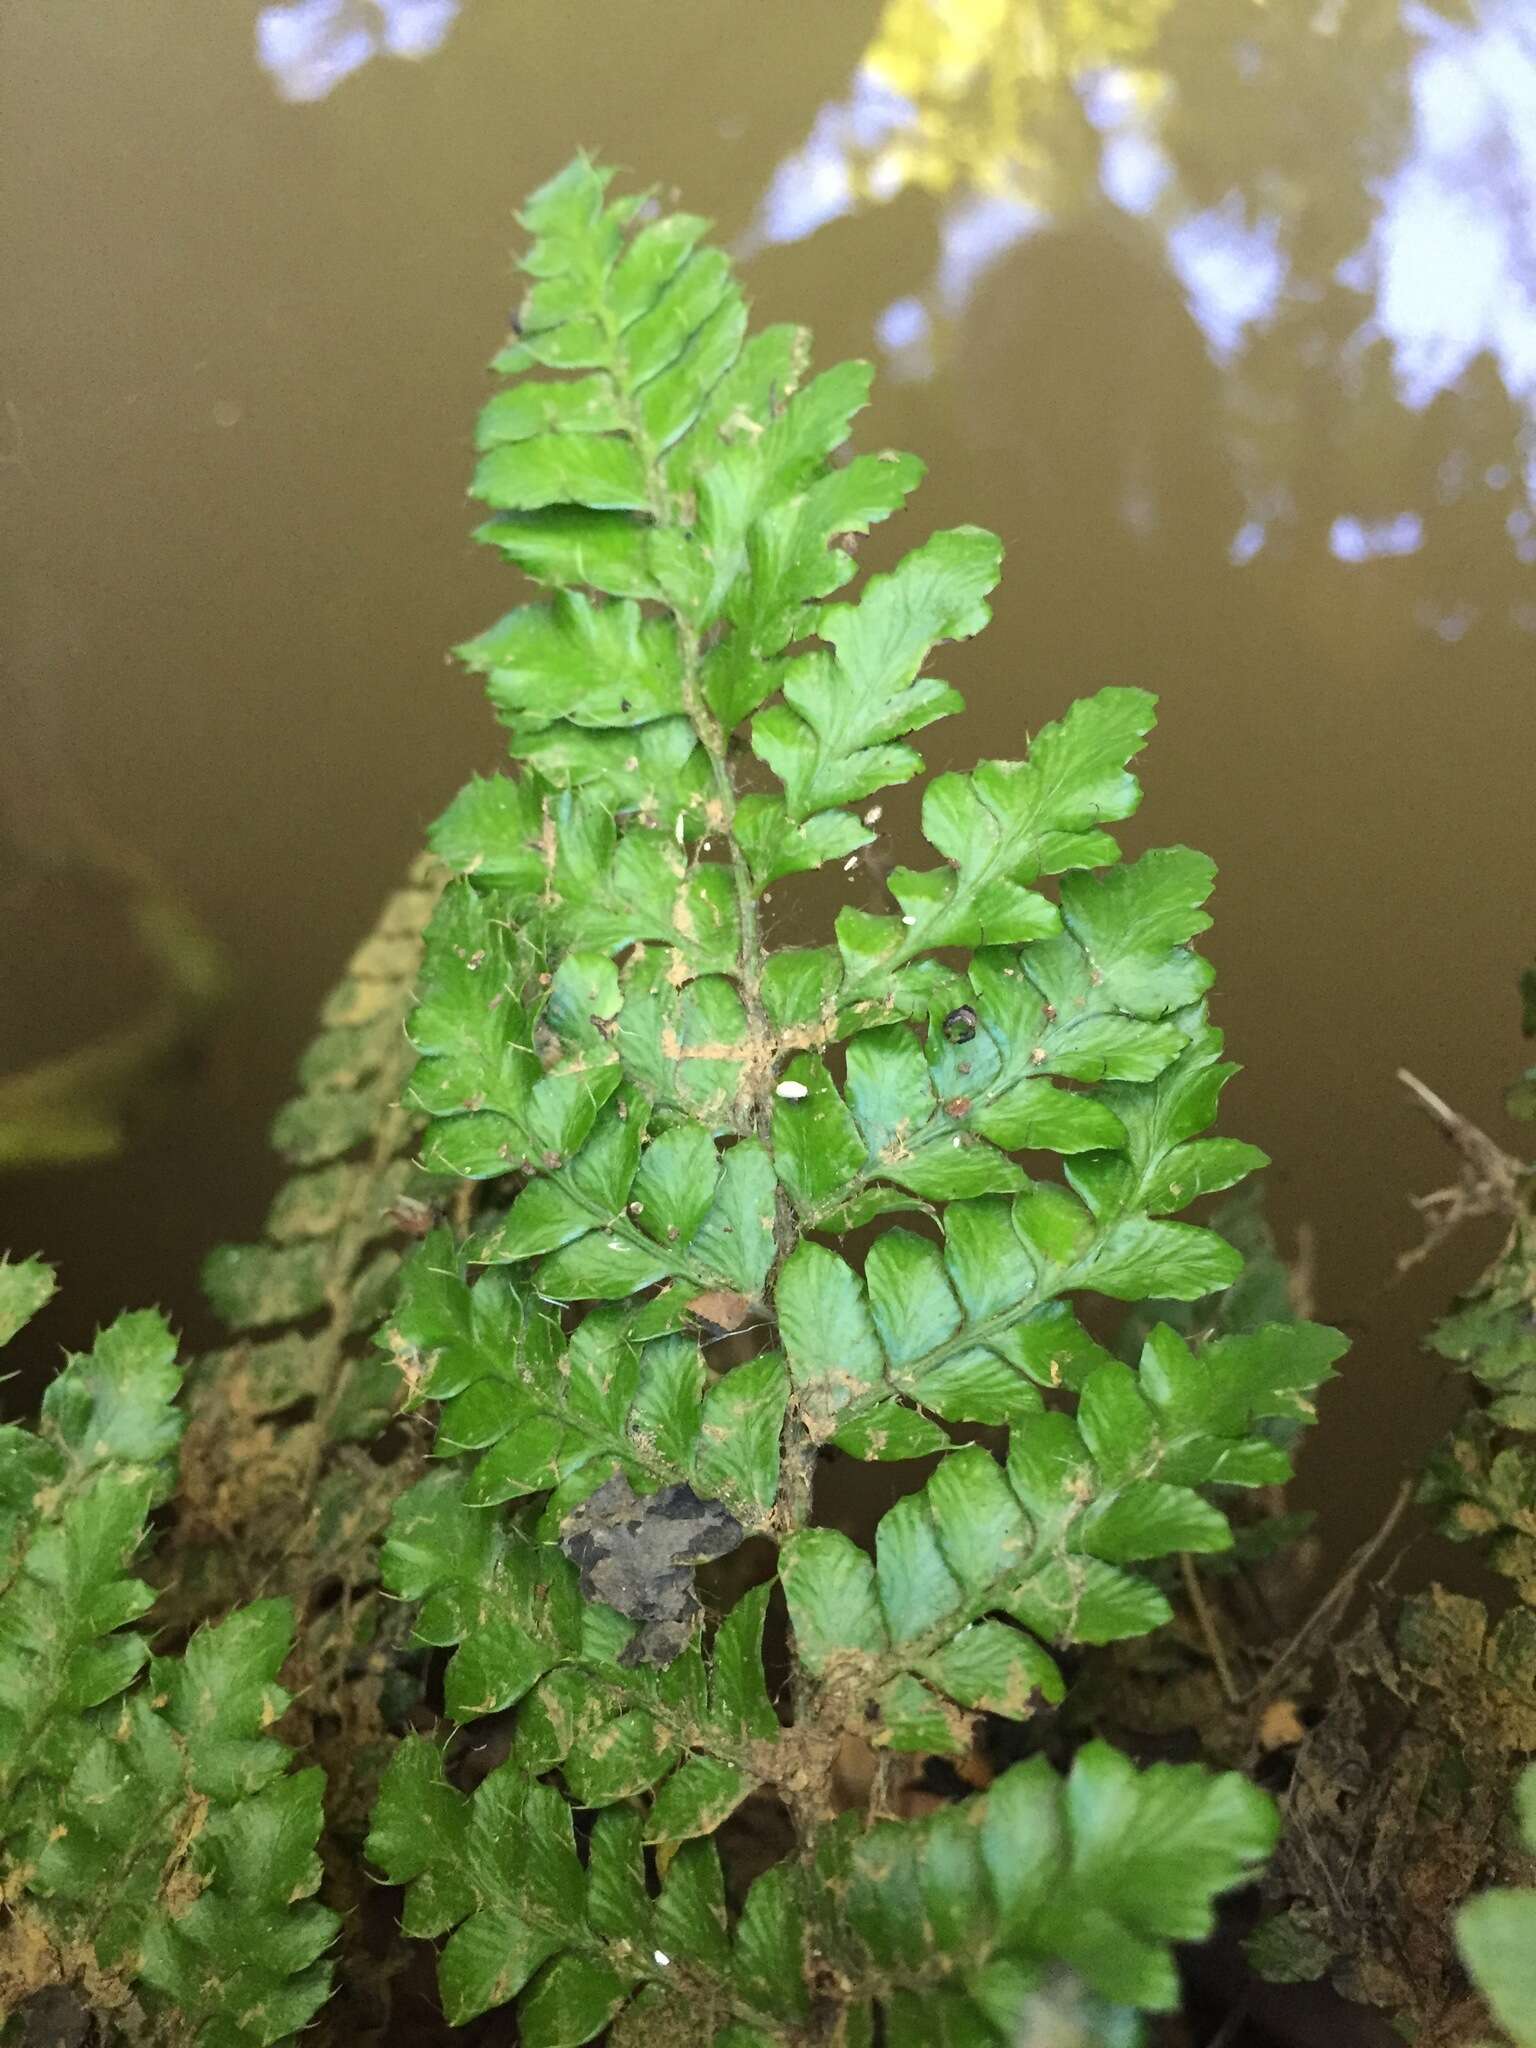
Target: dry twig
1488, 1185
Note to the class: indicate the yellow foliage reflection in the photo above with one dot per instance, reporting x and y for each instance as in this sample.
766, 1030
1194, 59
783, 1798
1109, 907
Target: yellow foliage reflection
984, 79
1329, 204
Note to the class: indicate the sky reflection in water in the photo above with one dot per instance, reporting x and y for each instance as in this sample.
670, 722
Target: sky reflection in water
1013, 129
1444, 274
310, 46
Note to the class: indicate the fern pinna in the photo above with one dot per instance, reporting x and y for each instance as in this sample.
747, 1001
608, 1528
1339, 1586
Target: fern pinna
659, 1329
157, 1855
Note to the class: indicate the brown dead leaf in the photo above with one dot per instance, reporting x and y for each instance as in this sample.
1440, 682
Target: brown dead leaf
721, 1306
1280, 1726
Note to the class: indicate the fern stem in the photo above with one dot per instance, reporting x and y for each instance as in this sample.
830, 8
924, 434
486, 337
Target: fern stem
797, 1473
711, 738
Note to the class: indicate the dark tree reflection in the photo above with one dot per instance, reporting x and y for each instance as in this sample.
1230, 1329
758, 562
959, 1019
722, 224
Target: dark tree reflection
1273, 269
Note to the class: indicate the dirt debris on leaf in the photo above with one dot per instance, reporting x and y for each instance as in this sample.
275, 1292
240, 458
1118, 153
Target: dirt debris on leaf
637, 1552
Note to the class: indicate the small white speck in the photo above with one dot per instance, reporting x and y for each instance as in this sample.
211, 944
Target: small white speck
909, 920
792, 1091
615, 1244
850, 863
873, 815
664, 1960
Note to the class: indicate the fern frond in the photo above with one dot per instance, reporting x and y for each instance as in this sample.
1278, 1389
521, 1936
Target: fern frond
1482, 1479
330, 1244
937, 1931
277, 1495
155, 1850
1105, 1868
101, 1460
657, 1332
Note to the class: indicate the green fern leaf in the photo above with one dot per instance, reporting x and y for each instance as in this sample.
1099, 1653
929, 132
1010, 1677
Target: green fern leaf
1104, 1870
108, 1432
1046, 1540
555, 1414
657, 1327
1482, 1480
1496, 1934
149, 1830
26, 1286
571, 1941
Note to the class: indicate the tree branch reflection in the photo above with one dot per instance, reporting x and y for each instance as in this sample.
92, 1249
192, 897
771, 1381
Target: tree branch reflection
1342, 195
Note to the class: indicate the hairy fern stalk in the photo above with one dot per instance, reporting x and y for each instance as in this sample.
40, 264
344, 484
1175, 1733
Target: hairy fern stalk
660, 1329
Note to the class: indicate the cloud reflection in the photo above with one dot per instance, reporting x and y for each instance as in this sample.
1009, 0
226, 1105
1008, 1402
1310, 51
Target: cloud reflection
1364, 540
309, 46
1450, 261
1454, 246
1013, 123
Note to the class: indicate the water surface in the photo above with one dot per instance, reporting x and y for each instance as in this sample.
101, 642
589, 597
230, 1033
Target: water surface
1221, 313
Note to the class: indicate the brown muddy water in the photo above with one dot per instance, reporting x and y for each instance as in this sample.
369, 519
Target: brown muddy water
1222, 313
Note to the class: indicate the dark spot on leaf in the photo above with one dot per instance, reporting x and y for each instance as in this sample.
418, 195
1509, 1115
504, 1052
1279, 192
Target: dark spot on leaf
960, 1025
637, 1553
58, 2017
